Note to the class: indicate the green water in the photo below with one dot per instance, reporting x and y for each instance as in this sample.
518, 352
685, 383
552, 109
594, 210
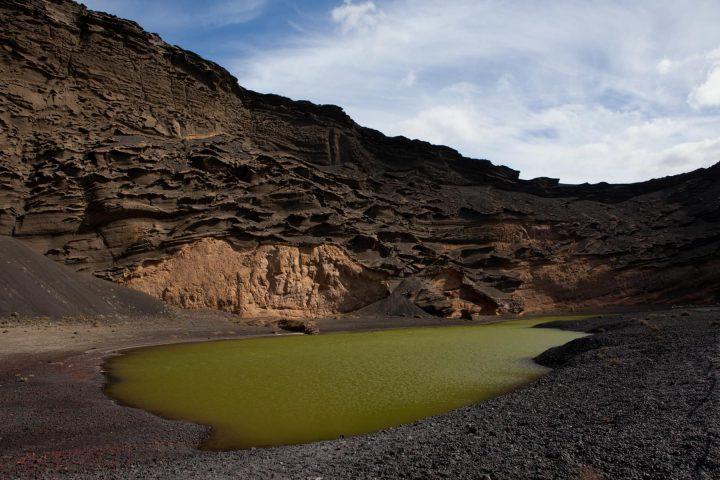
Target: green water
297, 389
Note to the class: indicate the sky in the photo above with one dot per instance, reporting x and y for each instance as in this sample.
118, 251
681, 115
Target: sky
584, 90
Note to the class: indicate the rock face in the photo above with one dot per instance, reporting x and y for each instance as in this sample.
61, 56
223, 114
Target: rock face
276, 280
142, 163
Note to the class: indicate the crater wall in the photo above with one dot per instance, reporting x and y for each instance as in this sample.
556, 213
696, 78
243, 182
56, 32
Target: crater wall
126, 157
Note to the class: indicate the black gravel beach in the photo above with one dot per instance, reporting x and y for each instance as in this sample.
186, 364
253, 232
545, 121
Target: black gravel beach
635, 400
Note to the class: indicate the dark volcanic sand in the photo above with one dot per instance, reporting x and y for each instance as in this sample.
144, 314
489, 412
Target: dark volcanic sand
641, 403
33, 285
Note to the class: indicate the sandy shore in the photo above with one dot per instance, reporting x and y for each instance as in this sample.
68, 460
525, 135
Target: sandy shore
636, 400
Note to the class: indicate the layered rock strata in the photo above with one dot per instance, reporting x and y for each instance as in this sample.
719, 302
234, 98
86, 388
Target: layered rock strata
126, 157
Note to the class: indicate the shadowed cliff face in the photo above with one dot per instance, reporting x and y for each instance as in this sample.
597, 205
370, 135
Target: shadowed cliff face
124, 156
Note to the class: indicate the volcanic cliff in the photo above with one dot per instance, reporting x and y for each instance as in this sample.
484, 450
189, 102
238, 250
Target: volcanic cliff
142, 163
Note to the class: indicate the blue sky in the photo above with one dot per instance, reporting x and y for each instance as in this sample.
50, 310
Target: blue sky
581, 90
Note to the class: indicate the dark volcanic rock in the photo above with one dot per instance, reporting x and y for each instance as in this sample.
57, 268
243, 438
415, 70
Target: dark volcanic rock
397, 304
119, 153
560, 355
308, 327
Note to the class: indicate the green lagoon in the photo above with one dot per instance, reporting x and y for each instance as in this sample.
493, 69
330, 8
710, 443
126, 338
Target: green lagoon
296, 389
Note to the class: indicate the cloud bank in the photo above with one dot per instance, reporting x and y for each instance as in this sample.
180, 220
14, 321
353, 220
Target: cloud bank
159, 15
584, 91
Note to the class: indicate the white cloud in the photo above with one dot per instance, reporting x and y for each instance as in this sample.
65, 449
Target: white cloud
613, 90
587, 91
355, 16
664, 66
182, 14
582, 143
409, 79
691, 153
452, 125
232, 12
707, 94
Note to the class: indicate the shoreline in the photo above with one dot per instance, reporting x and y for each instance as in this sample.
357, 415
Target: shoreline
158, 445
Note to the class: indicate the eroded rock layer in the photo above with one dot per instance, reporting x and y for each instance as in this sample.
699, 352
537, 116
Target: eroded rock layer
266, 280
126, 157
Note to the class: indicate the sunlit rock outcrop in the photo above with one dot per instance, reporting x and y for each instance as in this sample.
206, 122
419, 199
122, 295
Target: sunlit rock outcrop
269, 280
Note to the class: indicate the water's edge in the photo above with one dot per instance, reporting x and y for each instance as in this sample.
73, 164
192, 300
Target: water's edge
111, 378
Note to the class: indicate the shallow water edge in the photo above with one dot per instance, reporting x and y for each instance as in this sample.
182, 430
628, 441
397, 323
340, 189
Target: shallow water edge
288, 390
